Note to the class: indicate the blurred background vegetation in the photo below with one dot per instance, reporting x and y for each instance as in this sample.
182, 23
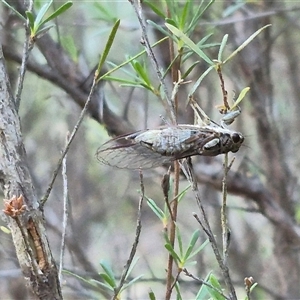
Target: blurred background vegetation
263, 201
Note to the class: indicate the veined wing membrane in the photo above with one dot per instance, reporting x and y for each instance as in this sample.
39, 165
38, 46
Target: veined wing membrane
124, 153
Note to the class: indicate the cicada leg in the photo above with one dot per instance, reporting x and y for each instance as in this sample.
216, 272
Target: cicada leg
201, 118
230, 116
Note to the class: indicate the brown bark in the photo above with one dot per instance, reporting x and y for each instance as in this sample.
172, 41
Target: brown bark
24, 217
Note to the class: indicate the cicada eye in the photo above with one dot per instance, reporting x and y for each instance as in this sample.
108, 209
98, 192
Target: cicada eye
237, 138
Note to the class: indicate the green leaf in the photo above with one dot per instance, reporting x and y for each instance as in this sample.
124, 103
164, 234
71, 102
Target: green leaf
183, 192
42, 31
30, 18
108, 279
171, 22
87, 281
189, 43
69, 45
197, 14
108, 46
200, 248
215, 283
190, 69
248, 40
170, 249
184, 14
240, 98
131, 282
177, 288
132, 265
130, 60
104, 14
232, 8
154, 8
197, 83
201, 44
5, 230
161, 29
191, 245
179, 240
203, 291
253, 286
123, 81
222, 47
40, 16
101, 284
109, 275
159, 212
14, 10
58, 12
141, 72
151, 295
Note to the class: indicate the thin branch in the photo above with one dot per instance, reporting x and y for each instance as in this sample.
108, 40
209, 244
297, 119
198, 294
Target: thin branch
145, 41
225, 230
187, 273
136, 240
206, 227
76, 127
27, 47
65, 213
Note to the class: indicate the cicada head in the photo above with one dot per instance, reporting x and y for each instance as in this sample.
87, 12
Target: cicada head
229, 141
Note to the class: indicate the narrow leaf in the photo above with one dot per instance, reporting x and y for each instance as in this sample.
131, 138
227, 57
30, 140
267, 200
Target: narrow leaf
40, 15
108, 280
172, 252
141, 72
179, 239
58, 12
190, 69
108, 46
198, 14
253, 286
5, 230
191, 245
151, 295
131, 282
189, 43
200, 248
101, 284
215, 283
203, 292
161, 29
241, 47
14, 10
30, 18
44, 30
132, 265
130, 60
182, 193
155, 9
240, 97
183, 16
222, 47
108, 270
88, 281
156, 209
197, 83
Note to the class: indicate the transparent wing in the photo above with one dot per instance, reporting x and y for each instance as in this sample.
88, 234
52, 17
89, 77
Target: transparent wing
125, 153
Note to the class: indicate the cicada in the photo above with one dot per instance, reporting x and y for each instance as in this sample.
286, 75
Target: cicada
154, 147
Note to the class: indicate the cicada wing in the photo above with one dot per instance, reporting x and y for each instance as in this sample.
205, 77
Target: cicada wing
128, 154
